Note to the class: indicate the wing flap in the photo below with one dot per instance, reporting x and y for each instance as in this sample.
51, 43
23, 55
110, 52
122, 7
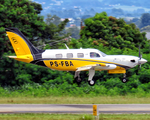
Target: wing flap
84, 68
101, 66
87, 67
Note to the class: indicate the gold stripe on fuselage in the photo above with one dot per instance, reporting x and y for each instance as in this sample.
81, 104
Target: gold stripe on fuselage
73, 64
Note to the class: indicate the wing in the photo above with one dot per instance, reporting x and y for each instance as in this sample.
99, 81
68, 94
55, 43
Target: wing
101, 66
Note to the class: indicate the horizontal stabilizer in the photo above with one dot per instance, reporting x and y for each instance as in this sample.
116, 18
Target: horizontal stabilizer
22, 58
12, 57
18, 57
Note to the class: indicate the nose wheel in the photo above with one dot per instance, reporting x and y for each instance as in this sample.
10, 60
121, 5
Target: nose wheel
124, 80
91, 82
90, 79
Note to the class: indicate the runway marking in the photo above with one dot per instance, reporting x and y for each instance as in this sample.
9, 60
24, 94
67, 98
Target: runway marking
74, 108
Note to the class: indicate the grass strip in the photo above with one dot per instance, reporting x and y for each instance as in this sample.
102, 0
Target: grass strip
76, 100
74, 117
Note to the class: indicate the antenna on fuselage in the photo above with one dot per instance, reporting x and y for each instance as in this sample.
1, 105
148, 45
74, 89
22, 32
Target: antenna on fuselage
66, 46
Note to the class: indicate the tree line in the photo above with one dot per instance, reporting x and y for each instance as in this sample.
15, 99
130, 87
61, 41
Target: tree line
103, 32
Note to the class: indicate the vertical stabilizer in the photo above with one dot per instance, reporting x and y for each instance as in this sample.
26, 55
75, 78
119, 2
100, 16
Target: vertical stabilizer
23, 48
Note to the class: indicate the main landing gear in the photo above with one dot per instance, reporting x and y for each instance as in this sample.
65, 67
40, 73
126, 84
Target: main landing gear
91, 82
77, 77
124, 80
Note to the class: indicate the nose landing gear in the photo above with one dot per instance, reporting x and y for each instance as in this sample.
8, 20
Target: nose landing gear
90, 79
91, 82
124, 80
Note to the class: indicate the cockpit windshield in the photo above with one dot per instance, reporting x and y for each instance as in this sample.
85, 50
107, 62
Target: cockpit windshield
103, 54
94, 54
97, 54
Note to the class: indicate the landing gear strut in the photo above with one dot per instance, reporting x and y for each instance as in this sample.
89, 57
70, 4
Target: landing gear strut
77, 77
91, 74
91, 82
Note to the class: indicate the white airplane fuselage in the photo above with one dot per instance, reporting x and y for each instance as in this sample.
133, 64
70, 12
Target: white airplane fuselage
71, 59
57, 59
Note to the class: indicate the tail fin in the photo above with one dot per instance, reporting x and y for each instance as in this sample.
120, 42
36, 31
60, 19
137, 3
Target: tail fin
23, 48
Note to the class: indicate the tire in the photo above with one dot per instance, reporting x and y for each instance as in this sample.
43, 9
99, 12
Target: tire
91, 82
124, 80
77, 80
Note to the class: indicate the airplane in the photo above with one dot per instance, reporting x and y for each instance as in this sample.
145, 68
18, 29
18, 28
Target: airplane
71, 59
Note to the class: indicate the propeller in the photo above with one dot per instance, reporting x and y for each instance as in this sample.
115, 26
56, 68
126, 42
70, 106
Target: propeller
140, 56
141, 60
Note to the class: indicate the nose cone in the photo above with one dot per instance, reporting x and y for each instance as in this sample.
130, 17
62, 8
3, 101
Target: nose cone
142, 61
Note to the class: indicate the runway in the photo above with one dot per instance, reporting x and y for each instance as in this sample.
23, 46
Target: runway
74, 108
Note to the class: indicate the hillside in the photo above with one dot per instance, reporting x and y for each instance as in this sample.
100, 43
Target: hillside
128, 8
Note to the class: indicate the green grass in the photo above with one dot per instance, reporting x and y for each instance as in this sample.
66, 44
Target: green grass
74, 117
76, 100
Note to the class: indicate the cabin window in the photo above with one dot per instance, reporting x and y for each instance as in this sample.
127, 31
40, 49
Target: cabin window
58, 55
80, 55
93, 54
69, 55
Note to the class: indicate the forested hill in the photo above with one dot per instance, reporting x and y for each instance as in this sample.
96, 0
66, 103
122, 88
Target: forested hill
92, 3
127, 8
140, 3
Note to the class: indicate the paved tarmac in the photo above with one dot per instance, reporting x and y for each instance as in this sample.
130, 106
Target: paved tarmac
74, 108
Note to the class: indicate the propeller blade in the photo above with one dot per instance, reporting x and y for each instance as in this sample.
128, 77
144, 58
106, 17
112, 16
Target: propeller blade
140, 61
139, 64
140, 56
139, 68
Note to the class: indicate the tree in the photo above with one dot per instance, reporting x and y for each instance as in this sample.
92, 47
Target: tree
145, 29
114, 31
21, 14
134, 20
37, 7
54, 31
74, 31
53, 19
144, 20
